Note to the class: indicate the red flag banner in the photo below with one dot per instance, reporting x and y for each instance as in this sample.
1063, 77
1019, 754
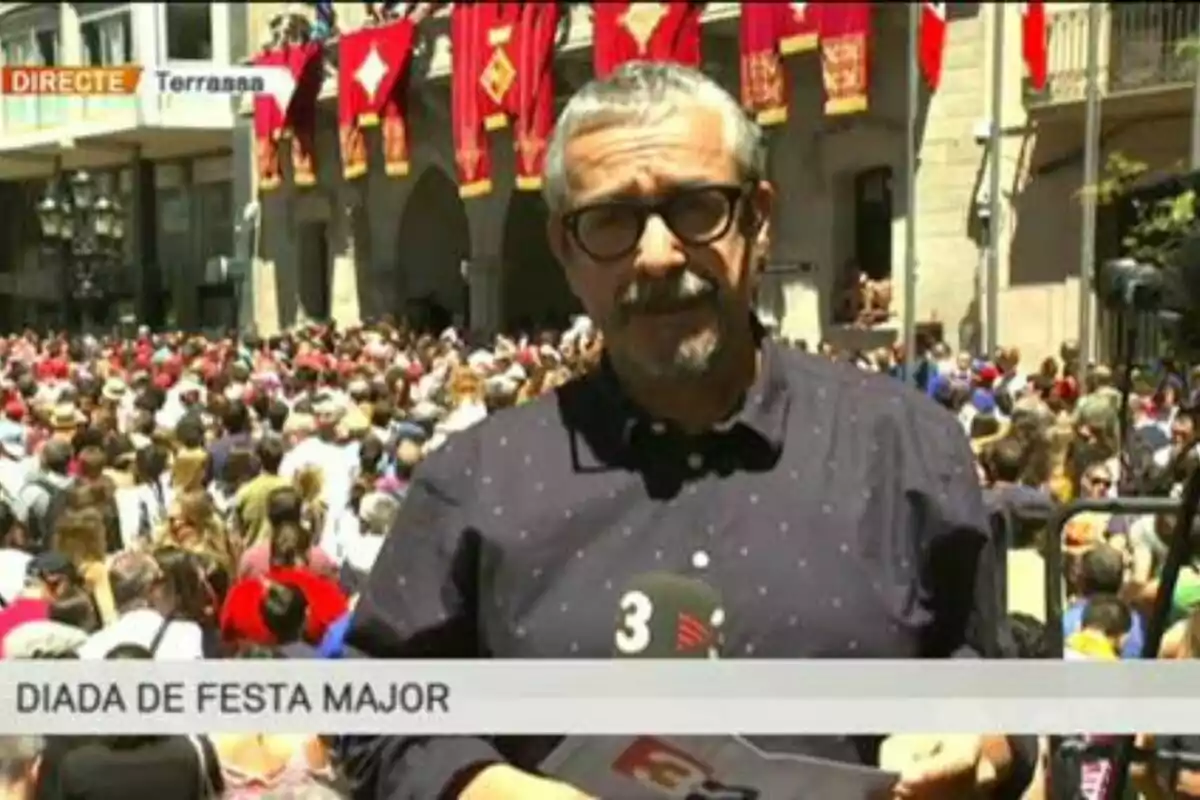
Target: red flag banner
498, 71
764, 83
268, 128
472, 153
799, 26
932, 42
845, 31
373, 73
536, 31
307, 67
630, 31
1034, 44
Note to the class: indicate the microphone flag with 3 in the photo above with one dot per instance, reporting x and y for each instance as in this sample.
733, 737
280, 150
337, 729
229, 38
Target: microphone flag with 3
662, 615
666, 616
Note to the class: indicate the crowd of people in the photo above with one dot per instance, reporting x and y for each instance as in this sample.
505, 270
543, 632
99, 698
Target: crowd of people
177, 498
330, 493
173, 497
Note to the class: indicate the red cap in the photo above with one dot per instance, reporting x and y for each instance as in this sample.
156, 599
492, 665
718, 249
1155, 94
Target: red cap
14, 409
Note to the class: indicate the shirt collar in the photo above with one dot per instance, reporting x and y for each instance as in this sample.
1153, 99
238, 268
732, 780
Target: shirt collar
763, 411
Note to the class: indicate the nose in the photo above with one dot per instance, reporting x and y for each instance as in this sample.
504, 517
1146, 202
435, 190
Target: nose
658, 252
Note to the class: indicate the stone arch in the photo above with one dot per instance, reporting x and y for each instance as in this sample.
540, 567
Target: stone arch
534, 288
432, 243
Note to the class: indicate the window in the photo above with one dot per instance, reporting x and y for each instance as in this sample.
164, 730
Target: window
189, 31
47, 47
108, 41
215, 223
863, 287
19, 112
18, 51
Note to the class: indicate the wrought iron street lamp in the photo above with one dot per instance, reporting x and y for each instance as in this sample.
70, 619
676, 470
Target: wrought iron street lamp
83, 226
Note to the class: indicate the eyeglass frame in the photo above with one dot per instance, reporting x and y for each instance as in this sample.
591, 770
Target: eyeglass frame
734, 195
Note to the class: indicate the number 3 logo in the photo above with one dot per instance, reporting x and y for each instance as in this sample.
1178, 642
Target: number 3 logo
634, 634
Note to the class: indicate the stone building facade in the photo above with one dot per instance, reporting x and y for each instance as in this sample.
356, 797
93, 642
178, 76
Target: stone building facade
377, 245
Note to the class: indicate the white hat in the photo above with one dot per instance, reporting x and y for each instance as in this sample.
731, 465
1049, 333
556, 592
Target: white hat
481, 360
114, 390
43, 638
188, 386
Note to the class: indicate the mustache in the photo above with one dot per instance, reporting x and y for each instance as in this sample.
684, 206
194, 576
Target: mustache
663, 293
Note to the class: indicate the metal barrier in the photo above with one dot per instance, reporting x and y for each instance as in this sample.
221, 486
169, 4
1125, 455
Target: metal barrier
1055, 559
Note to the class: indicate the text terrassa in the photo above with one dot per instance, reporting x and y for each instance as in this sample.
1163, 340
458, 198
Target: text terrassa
237, 697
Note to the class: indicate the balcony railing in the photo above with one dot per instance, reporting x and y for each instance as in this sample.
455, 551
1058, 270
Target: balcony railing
1143, 47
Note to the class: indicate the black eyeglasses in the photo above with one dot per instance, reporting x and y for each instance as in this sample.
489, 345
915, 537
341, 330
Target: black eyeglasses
697, 215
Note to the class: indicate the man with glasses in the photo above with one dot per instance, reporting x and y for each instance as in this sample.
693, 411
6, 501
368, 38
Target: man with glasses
836, 512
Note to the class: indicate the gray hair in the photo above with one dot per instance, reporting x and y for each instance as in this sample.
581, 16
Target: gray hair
17, 757
645, 92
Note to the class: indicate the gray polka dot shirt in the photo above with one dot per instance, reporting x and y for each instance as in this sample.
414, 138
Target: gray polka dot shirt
838, 514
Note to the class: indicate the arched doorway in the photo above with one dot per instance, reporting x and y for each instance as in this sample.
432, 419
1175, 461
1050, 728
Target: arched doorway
433, 242
535, 290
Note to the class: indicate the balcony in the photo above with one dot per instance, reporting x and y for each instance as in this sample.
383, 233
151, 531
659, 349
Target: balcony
1143, 52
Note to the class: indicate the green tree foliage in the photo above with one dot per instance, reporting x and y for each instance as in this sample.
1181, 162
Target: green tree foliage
1158, 223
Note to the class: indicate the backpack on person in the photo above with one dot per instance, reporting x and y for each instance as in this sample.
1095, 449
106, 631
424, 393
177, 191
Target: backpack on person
41, 527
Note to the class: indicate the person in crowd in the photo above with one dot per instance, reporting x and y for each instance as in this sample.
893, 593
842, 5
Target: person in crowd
20, 757
1090, 528
327, 459
1103, 630
1102, 574
1144, 593
360, 536
150, 613
14, 556
125, 766
290, 542
277, 765
659, 211
14, 455
193, 524
144, 506
1173, 768
189, 467
250, 502
43, 497
235, 434
48, 575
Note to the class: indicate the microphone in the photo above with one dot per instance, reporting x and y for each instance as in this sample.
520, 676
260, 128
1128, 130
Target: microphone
661, 615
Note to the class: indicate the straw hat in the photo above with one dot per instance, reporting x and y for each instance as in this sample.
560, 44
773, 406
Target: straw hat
65, 416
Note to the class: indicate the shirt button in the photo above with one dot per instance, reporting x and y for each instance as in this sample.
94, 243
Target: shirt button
700, 559
695, 461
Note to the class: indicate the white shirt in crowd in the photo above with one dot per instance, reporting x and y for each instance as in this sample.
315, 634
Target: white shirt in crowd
336, 465
182, 641
13, 566
346, 542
